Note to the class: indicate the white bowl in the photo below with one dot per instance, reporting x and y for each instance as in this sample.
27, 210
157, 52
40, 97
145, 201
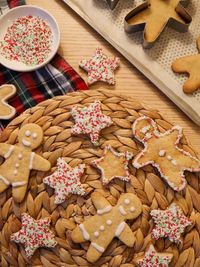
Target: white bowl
13, 14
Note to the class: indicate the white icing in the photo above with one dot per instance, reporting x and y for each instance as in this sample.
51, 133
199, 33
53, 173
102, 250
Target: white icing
162, 153
20, 156
15, 172
84, 232
28, 133
102, 228
174, 162
97, 247
122, 210
127, 201
145, 129
16, 184
169, 157
132, 209
4, 180
96, 234
148, 135
120, 229
108, 222
26, 143
34, 135
17, 165
105, 210
31, 161
8, 154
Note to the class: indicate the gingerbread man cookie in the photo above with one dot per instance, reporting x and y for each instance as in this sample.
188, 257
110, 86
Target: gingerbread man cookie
6, 92
109, 222
190, 65
162, 151
20, 160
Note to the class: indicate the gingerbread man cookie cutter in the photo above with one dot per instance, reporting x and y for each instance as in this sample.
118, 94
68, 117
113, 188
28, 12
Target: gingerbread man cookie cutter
109, 222
6, 110
20, 160
146, 18
162, 151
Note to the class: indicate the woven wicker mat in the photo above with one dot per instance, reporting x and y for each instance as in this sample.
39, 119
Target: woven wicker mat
54, 117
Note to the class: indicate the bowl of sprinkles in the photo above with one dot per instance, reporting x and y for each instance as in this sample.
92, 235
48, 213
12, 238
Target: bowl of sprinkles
29, 38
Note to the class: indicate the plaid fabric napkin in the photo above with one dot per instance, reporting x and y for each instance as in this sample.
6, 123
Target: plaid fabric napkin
56, 78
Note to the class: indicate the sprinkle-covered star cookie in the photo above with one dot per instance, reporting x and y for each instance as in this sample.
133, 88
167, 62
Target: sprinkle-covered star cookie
100, 67
169, 223
66, 180
154, 259
113, 165
90, 120
34, 234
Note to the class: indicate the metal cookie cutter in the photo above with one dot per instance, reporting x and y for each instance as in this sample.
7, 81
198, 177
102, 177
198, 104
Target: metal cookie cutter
112, 3
153, 16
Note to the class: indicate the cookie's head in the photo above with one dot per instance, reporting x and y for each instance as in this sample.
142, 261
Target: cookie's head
30, 136
143, 128
129, 205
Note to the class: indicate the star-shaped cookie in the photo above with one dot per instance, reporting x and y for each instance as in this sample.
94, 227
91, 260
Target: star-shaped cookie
169, 223
190, 65
112, 3
154, 259
34, 234
66, 180
90, 120
113, 165
6, 92
147, 17
100, 67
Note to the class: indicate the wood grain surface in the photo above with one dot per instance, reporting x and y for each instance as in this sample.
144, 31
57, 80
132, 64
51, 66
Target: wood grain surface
78, 41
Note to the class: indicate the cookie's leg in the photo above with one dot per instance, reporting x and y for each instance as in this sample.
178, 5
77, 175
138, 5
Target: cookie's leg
93, 254
3, 186
19, 192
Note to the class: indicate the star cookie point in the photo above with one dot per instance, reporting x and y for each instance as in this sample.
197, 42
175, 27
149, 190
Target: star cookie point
66, 180
90, 121
100, 68
170, 223
113, 165
154, 259
161, 150
34, 234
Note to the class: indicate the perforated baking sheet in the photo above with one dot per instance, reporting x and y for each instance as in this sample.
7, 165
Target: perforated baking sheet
154, 63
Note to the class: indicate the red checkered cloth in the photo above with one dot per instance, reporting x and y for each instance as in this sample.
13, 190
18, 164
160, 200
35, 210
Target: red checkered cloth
56, 78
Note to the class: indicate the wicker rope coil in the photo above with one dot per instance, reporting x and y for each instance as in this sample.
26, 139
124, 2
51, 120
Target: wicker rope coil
54, 117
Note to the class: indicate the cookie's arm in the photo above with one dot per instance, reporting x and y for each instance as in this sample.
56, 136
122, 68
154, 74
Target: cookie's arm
142, 159
40, 164
100, 202
125, 235
5, 149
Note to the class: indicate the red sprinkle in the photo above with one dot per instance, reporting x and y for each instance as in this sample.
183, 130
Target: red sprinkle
28, 40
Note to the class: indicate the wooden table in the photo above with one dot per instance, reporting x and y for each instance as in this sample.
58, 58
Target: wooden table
78, 41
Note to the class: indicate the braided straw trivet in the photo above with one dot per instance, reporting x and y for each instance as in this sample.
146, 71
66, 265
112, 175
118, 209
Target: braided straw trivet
54, 117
